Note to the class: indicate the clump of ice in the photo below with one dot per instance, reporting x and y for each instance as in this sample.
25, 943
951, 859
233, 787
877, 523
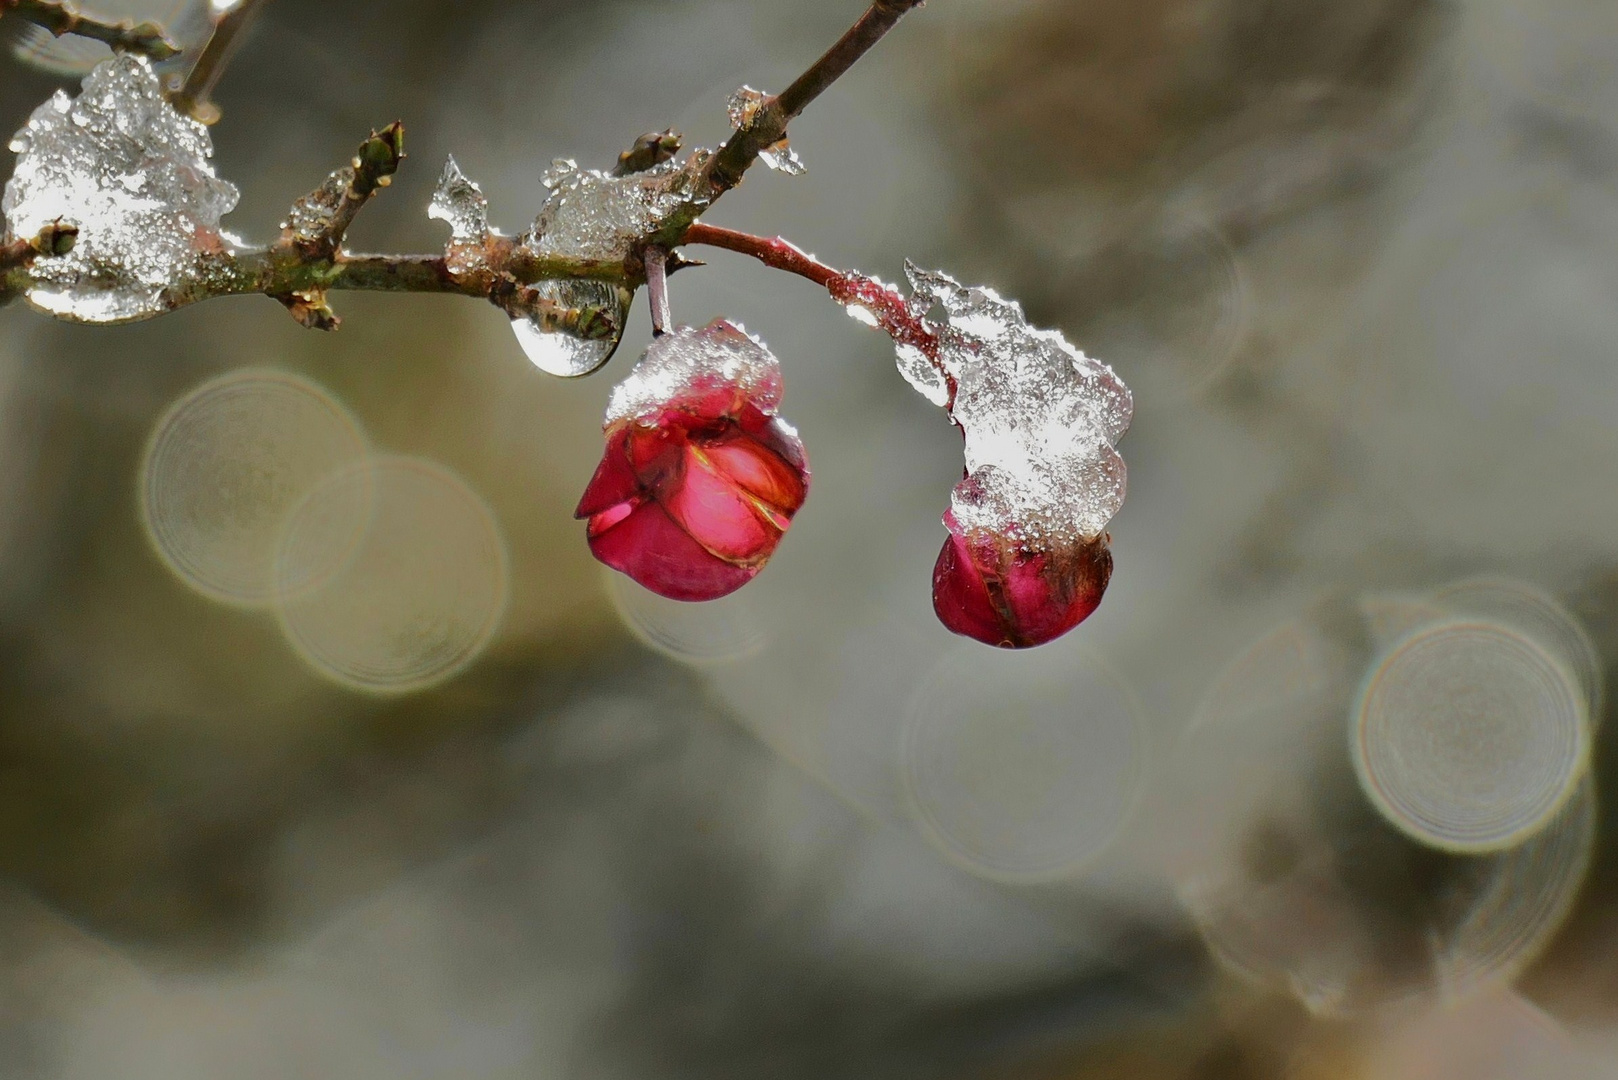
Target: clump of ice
743, 105
684, 367
596, 216
461, 204
1040, 417
136, 177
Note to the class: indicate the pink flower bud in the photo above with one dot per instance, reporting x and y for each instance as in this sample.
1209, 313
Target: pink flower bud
992, 588
694, 493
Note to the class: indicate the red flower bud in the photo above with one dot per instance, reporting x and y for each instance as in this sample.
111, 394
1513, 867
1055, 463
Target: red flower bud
696, 489
992, 588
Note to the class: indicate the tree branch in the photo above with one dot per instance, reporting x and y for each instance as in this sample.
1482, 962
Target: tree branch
62, 17
768, 125
194, 96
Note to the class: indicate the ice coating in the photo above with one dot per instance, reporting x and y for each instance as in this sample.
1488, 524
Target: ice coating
684, 367
1040, 417
593, 215
557, 352
135, 176
744, 103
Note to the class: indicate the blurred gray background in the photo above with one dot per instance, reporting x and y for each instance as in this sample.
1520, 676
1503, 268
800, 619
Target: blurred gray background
1359, 263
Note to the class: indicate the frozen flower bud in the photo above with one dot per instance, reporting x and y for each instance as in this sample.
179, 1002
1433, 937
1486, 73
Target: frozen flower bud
700, 478
991, 587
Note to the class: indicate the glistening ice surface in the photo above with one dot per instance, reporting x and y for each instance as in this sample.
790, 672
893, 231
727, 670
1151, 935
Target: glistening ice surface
136, 177
1040, 418
685, 364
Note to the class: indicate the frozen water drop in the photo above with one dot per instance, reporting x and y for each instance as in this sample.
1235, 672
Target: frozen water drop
140, 249
558, 352
686, 365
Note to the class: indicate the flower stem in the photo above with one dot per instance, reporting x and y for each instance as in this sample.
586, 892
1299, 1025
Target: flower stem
882, 305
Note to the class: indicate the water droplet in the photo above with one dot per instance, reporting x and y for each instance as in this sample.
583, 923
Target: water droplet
560, 353
1022, 766
226, 465
1470, 736
713, 632
423, 591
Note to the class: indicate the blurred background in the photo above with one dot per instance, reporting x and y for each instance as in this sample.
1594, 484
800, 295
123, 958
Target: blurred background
1319, 792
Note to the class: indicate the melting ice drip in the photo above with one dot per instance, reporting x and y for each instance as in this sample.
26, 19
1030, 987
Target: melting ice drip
136, 177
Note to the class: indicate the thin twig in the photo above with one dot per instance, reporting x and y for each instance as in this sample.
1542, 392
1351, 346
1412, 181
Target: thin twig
657, 290
319, 221
62, 17
768, 125
195, 95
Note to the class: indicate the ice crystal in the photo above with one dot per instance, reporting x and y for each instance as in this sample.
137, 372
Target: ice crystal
743, 105
135, 176
1040, 417
685, 367
593, 215
461, 204
557, 352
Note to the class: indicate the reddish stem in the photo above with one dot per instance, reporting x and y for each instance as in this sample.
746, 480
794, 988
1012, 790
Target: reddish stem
884, 303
